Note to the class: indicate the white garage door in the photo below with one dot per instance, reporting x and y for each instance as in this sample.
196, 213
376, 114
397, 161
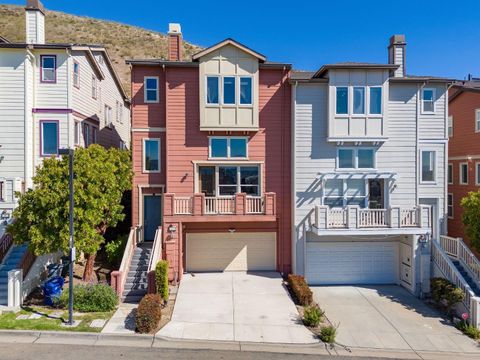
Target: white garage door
352, 263
230, 252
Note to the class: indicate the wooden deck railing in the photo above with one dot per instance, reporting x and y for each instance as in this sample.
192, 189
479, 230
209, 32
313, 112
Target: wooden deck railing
5, 243
373, 218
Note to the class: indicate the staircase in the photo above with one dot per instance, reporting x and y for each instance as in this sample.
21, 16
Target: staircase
136, 283
467, 277
10, 262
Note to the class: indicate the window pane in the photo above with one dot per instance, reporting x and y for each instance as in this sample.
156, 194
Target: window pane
342, 100
356, 201
218, 148
50, 138
366, 158
359, 100
464, 168
428, 95
355, 188
48, 62
152, 155
238, 148
229, 90
151, 83
428, 100
375, 100
151, 95
334, 202
428, 166
334, 187
245, 90
227, 175
212, 90
228, 190
346, 158
478, 174
450, 174
250, 190
249, 175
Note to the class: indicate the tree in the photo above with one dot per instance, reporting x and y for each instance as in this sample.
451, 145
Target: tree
471, 217
42, 216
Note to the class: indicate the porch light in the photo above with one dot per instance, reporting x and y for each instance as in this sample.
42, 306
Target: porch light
231, 230
4, 216
172, 229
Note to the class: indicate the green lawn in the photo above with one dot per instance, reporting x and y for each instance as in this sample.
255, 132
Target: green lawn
9, 320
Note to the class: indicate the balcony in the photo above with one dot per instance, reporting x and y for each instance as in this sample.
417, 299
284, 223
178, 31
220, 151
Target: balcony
240, 207
369, 221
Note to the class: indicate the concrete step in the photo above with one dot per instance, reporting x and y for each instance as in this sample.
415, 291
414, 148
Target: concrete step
140, 292
135, 286
133, 299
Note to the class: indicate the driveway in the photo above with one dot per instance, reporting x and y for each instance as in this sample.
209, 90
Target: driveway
235, 306
388, 317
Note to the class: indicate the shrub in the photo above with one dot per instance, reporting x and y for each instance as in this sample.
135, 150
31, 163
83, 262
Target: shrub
149, 313
328, 334
115, 249
312, 315
91, 298
469, 330
444, 292
300, 289
161, 279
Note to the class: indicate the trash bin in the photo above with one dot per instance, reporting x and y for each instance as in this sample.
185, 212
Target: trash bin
52, 289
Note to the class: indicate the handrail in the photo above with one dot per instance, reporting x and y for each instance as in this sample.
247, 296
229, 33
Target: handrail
156, 250
5, 244
26, 262
118, 277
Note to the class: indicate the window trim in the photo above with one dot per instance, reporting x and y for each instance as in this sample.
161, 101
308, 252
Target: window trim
449, 172
477, 173
210, 157
450, 195
157, 90
144, 170
77, 84
107, 114
77, 132
369, 113
218, 77
450, 126
246, 105
434, 97
477, 120
42, 80
238, 165
435, 166
460, 173
355, 158
57, 122
94, 87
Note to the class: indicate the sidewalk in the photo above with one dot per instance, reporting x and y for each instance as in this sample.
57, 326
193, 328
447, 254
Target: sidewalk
150, 341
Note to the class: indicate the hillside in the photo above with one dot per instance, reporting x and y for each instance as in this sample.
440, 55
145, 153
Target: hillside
122, 41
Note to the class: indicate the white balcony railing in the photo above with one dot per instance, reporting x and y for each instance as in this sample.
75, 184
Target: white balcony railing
218, 205
255, 205
372, 218
337, 218
183, 205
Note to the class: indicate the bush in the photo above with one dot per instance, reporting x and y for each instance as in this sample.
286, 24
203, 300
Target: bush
469, 330
300, 289
115, 249
91, 298
312, 315
149, 313
328, 334
161, 278
445, 293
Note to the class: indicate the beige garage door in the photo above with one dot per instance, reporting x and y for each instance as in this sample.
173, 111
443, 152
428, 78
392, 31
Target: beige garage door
230, 252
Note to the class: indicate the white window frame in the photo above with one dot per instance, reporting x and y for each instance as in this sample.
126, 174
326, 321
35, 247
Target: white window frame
42, 69
235, 87
477, 120
434, 97
157, 97
78, 132
364, 101
238, 184
477, 173
108, 115
218, 77
239, 88
355, 158
144, 170
450, 172
450, 206
344, 193
368, 96
228, 138
94, 87
76, 75
348, 101
3, 190
450, 126
434, 181
117, 111
460, 173
121, 112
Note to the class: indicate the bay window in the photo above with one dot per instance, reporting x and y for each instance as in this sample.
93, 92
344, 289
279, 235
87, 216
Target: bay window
358, 100
229, 90
212, 90
342, 100
245, 90
376, 100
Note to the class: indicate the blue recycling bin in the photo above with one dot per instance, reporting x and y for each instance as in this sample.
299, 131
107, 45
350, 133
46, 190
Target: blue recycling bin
52, 289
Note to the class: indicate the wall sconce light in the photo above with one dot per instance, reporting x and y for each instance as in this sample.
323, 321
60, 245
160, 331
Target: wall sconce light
172, 229
423, 240
5, 216
231, 230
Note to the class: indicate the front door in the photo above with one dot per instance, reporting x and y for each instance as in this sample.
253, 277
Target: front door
152, 215
376, 198
206, 177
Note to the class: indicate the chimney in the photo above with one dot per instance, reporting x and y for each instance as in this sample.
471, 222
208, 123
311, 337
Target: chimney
35, 21
396, 54
174, 42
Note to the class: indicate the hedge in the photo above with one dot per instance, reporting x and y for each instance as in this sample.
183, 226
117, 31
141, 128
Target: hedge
91, 298
161, 279
300, 289
149, 313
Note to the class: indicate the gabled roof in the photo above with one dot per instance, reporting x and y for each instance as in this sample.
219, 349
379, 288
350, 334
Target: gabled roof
464, 86
3, 40
232, 42
353, 65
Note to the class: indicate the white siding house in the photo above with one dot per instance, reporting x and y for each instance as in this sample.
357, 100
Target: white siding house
46, 103
369, 172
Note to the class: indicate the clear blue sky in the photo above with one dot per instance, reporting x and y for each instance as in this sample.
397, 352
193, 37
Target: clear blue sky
443, 37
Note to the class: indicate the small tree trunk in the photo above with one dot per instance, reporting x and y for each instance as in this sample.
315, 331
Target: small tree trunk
89, 275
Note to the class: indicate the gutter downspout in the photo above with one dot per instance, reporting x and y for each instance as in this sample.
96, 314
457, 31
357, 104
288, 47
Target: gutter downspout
293, 185
445, 195
29, 153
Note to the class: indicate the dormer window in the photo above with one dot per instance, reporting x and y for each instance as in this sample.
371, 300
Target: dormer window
212, 90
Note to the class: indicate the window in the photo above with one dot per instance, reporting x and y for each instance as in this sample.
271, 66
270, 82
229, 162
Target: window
229, 90
358, 100
121, 112
361, 158
151, 89
228, 147
464, 173
212, 89
94, 135
77, 133
450, 174
86, 134
375, 100
151, 155
48, 66
450, 126
122, 145
428, 166
117, 111
94, 87
340, 193
342, 100
477, 120
49, 138
428, 100
245, 91
76, 74
477, 173
108, 115
450, 206
2, 191
236, 179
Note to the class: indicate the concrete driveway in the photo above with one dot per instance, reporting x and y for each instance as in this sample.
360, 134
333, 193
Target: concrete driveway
388, 317
235, 306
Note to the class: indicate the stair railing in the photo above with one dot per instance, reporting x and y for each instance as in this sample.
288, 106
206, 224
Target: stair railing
119, 277
154, 258
5, 244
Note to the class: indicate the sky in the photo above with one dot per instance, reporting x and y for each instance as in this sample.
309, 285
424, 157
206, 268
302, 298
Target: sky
443, 37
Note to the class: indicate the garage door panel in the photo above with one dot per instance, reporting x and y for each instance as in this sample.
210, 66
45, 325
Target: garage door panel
230, 252
352, 263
